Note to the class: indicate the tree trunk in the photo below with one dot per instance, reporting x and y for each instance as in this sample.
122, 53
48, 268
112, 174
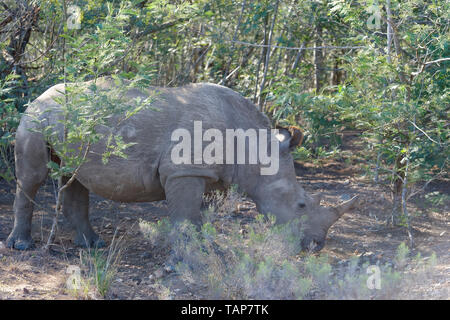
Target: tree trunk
238, 25
318, 60
397, 187
336, 73
263, 54
24, 17
266, 64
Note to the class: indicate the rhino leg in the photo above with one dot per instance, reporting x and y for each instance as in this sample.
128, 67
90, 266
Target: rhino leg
184, 196
20, 236
31, 172
76, 210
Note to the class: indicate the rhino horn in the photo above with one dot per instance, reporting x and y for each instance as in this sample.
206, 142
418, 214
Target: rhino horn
346, 206
316, 198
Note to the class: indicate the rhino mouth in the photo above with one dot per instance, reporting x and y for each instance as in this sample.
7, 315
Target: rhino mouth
312, 244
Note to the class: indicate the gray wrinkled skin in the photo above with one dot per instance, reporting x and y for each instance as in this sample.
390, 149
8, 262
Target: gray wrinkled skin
148, 174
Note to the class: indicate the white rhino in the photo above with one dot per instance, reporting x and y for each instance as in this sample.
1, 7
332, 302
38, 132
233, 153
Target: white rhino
149, 174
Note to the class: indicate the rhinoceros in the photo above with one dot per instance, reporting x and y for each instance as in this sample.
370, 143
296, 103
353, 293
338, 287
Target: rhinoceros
147, 173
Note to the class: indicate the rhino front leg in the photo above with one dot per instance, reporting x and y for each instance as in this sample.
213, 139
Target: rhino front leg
76, 210
184, 196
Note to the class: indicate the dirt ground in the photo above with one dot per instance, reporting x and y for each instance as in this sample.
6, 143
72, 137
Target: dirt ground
141, 270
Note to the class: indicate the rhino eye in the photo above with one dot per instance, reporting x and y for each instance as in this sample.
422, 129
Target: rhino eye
301, 205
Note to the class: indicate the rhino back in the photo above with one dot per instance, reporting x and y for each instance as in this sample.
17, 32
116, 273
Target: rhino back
137, 177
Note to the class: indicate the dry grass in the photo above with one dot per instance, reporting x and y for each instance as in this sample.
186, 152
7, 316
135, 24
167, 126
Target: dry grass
262, 260
97, 269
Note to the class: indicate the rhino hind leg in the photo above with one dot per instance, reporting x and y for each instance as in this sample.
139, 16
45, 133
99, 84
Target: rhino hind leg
31, 172
20, 237
185, 196
76, 210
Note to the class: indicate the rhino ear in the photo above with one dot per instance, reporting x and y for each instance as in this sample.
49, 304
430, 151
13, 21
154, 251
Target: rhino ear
346, 206
289, 138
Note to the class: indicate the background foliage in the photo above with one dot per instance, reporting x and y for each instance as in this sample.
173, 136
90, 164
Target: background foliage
376, 67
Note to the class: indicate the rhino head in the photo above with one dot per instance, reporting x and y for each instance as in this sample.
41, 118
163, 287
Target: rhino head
282, 196
320, 219
293, 202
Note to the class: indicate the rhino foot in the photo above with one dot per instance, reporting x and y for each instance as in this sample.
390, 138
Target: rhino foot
19, 243
94, 242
